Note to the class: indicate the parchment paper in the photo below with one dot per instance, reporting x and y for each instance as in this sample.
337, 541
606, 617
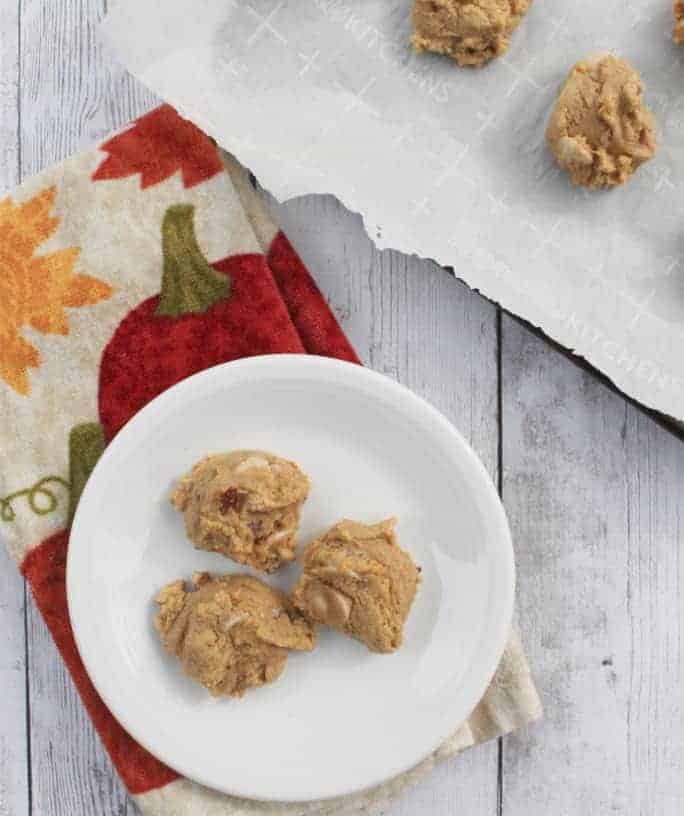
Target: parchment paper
325, 96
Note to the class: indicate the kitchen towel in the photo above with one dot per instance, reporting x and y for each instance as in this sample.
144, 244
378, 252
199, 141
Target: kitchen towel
125, 270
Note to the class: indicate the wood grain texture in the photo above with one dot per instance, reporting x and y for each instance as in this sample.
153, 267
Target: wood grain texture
71, 96
72, 92
593, 488
9, 94
14, 771
411, 320
595, 494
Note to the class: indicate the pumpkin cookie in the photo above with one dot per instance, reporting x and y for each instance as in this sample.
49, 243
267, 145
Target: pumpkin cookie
678, 33
244, 505
359, 581
230, 633
600, 131
471, 32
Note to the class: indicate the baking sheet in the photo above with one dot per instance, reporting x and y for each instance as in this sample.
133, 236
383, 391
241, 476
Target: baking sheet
325, 96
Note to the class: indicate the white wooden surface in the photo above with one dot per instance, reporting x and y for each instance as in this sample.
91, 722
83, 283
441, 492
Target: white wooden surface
594, 490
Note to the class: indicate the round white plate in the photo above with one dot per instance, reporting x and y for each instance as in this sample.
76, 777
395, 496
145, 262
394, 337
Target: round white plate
340, 718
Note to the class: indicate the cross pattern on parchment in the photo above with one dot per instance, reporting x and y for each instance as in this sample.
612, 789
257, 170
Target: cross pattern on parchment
520, 76
327, 129
421, 206
266, 24
358, 100
405, 134
641, 307
596, 275
558, 26
235, 67
450, 169
487, 122
674, 263
498, 203
638, 17
310, 63
663, 179
549, 240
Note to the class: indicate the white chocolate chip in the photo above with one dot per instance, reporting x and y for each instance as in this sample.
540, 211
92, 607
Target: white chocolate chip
233, 620
280, 535
252, 462
573, 151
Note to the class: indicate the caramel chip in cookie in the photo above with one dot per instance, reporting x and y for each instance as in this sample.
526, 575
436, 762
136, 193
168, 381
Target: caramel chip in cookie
359, 581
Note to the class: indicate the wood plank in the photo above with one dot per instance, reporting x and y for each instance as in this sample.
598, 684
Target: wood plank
9, 94
595, 495
14, 779
414, 322
14, 776
73, 92
72, 95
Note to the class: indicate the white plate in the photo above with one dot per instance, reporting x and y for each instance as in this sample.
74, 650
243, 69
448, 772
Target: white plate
339, 719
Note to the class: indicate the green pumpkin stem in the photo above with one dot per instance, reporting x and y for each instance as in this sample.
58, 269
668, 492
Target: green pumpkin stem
189, 283
86, 444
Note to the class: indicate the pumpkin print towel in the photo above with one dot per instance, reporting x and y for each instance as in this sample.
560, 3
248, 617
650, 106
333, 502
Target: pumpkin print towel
122, 271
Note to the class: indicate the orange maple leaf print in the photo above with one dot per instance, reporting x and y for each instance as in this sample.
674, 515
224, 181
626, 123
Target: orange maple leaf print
35, 289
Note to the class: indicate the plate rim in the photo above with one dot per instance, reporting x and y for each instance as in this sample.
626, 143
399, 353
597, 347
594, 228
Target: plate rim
498, 638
